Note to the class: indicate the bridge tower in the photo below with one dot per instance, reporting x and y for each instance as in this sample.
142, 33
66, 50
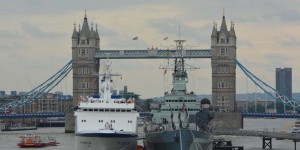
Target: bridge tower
85, 42
223, 48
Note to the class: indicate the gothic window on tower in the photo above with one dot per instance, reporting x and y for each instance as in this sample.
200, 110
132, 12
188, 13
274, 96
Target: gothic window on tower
222, 84
223, 40
83, 41
223, 69
83, 85
223, 51
222, 99
83, 53
83, 70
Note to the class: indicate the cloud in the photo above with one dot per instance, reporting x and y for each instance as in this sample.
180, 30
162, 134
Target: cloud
244, 43
11, 34
35, 31
278, 59
290, 42
12, 46
170, 27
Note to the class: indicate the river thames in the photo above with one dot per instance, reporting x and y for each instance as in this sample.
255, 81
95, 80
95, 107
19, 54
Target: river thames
9, 140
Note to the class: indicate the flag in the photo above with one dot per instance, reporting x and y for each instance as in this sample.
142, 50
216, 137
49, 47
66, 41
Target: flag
183, 107
135, 38
165, 38
165, 72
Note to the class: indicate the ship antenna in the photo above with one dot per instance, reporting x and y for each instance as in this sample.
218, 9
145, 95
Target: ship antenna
179, 32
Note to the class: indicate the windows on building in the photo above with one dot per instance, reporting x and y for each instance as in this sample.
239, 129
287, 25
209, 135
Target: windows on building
223, 100
83, 70
223, 84
83, 53
223, 51
83, 85
223, 40
223, 69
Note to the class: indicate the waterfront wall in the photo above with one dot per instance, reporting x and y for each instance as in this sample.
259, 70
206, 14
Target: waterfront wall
226, 120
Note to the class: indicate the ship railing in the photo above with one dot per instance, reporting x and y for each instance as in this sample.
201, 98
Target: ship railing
195, 141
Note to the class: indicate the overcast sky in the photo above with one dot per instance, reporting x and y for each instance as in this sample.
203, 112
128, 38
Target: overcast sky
35, 39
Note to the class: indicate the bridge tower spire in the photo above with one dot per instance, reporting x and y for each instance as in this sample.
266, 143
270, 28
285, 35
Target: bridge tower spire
85, 42
223, 48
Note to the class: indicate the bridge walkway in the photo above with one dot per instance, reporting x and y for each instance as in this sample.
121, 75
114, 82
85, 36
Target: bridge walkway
270, 134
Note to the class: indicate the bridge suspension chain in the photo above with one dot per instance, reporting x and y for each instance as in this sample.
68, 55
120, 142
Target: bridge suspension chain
39, 91
268, 89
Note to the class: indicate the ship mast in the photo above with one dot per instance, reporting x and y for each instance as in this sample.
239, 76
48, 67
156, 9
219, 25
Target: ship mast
180, 77
106, 81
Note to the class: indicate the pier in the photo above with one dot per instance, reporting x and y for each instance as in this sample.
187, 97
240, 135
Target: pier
266, 136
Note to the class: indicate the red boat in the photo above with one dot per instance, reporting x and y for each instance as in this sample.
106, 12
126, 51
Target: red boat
32, 140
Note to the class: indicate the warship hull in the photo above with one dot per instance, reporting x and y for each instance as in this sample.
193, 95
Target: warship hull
179, 140
105, 142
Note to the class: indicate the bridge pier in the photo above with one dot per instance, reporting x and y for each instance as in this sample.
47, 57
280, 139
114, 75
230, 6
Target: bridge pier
267, 142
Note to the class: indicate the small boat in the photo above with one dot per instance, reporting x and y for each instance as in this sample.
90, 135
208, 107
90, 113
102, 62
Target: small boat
33, 140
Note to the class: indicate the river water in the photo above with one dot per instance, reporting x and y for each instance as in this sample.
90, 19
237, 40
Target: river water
9, 140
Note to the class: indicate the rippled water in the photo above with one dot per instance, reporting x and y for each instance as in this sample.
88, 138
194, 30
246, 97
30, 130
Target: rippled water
9, 140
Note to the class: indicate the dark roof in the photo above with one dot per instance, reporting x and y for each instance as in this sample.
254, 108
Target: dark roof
205, 101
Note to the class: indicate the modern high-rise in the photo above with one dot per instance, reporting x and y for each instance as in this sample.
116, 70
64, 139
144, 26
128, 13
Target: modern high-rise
283, 86
284, 81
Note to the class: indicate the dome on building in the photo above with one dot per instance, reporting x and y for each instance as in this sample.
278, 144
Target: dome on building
205, 101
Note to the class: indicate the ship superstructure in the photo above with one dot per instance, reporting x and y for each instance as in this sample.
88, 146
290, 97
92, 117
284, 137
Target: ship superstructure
176, 121
106, 121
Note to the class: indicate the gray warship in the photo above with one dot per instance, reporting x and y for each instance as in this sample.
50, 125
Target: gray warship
179, 122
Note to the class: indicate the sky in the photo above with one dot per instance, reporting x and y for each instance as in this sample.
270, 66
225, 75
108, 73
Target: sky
35, 39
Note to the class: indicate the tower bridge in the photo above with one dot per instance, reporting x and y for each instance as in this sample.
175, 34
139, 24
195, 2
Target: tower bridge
86, 55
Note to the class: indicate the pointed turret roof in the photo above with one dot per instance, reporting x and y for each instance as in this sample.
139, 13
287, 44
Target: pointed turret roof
232, 32
75, 33
214, 31
93, 33
85, 27
97, 34
223, 26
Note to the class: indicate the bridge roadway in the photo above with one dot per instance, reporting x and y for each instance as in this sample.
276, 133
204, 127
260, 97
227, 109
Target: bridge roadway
152, 54
271, 115
269, 134
142, 114
31, 115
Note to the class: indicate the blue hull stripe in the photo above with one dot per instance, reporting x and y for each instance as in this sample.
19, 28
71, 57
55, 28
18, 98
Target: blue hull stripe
105, 135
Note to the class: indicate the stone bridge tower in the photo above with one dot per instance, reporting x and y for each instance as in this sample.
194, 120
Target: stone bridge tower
223, 48
85, 42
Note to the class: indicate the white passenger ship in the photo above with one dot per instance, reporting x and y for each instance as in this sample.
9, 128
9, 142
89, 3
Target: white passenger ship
106, 122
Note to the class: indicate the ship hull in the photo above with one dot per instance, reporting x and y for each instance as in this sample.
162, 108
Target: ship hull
179, 140
97, 141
